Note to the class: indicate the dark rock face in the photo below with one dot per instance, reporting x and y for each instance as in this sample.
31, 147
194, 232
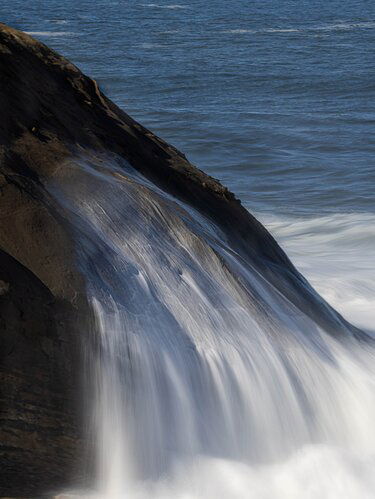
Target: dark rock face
40, 435
50, 111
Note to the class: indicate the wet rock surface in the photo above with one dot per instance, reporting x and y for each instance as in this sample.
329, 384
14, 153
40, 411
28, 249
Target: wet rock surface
40, 431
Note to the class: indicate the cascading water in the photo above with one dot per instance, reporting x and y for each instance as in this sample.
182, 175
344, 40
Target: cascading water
209, 383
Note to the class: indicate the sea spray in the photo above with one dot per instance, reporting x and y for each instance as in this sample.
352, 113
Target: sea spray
209, 382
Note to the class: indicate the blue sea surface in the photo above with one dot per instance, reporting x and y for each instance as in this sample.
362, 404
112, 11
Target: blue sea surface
274, 98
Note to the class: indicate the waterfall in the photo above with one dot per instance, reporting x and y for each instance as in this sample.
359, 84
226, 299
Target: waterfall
209, 382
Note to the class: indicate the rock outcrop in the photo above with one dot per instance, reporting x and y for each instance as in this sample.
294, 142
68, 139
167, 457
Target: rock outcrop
40, 434
50, 111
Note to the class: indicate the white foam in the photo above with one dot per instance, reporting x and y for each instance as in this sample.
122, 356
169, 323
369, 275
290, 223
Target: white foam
315, 472
330, 27
346, 26
159, 6
50, 34
263, 30
337, 254
151, 45
240, 31
169, 32
281, 30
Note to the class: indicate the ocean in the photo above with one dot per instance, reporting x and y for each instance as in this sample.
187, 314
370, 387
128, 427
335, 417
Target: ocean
276, 100
273, 98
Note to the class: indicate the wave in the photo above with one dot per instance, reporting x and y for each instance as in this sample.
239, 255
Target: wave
346, 26
50, 33
336, 253
59, 21
158, 6
217, 371
151, 45
210, 383
330, 27
265, 30
169, 32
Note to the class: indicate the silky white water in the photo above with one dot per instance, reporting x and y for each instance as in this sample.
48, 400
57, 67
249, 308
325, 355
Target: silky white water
337, 254
208, 382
